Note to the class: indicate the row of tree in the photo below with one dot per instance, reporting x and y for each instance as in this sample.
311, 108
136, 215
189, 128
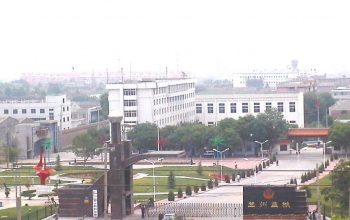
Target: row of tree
195, 138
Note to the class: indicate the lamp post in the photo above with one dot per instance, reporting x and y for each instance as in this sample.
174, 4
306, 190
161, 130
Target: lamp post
324, 152
221, 152
154, 179
261, 149
105, 179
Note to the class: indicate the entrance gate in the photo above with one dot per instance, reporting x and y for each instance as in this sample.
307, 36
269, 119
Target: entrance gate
212, 210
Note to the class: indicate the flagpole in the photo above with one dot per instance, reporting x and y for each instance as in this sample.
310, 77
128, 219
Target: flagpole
158, 138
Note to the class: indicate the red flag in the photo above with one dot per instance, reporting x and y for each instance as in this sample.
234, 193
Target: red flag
317, 103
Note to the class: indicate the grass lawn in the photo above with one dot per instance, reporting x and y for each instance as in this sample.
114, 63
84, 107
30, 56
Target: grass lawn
145, 199
325, 182
28, 212
29, 171
145, 185
190, 171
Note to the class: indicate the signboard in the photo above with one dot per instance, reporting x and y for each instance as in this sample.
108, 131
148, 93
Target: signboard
273, 200
94, 204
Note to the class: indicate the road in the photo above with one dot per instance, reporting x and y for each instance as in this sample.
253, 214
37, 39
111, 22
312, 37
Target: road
289, 167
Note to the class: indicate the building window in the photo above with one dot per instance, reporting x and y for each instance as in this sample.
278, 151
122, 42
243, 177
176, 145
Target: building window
129, 91
33, 111
221, 107
129, 102
63, 100
245, 107
210, 123
64, 119
268, 106
280, 106
291, 106
67, 118
64, 109
51, 109
67, 108
292, 122
24, 111
198, 108
51, 116
15, 111
256, 107
210, 108
283, 147
6, 111
42, 110
233, 107
129, 113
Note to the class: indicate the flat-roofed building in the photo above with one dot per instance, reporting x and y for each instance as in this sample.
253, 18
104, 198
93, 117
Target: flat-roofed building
56, 108
211, 107
160, 101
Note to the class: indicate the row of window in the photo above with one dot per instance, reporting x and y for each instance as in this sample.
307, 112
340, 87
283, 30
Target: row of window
131, 113
129, 102
172, 99
180, 87
172, 108
245, 107
24, 111
129, 91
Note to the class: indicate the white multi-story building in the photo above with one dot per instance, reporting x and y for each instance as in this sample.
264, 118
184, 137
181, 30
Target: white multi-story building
211, 108
56, 108
162, 101
341, 93
270, 79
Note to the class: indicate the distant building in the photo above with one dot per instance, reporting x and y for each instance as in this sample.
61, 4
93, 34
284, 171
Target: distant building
31, 137
160, 101
7, 125
85, 113
56, 108
213, 107
341, 93
340, 111
269, 78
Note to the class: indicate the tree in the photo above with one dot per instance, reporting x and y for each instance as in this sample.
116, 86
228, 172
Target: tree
228, 130
58, 165
144, 136
104, 105
171, 180
11, 153
85, 145
171, 196
179, 193
188, 190
311, 101
340, 133
339, 192
200, 168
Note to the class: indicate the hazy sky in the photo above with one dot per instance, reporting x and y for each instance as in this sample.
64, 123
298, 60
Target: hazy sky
200, 37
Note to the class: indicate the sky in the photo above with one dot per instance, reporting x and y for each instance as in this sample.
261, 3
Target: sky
202, 38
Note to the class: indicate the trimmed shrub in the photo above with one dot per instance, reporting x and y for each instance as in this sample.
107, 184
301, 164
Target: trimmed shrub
227, 179
216, 182
200, 168
210, 184
196, 188
264, 165
291, 181
203, 187
28, 193
243, 174
248, 173
335, 156
332, 157
171, 196
256, 169
252, 172
295, 181
188, 190
233, 177
267, 163
179, 193
260, 167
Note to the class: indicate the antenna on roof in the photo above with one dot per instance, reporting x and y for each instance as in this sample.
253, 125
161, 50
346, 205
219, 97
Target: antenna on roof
166, 72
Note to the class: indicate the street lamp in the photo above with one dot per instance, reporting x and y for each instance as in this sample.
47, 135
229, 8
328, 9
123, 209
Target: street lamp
154, 179
324, 151
105, 208
261, 144
221, 160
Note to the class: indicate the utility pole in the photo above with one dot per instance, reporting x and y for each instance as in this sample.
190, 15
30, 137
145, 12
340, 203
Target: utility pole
318, 188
